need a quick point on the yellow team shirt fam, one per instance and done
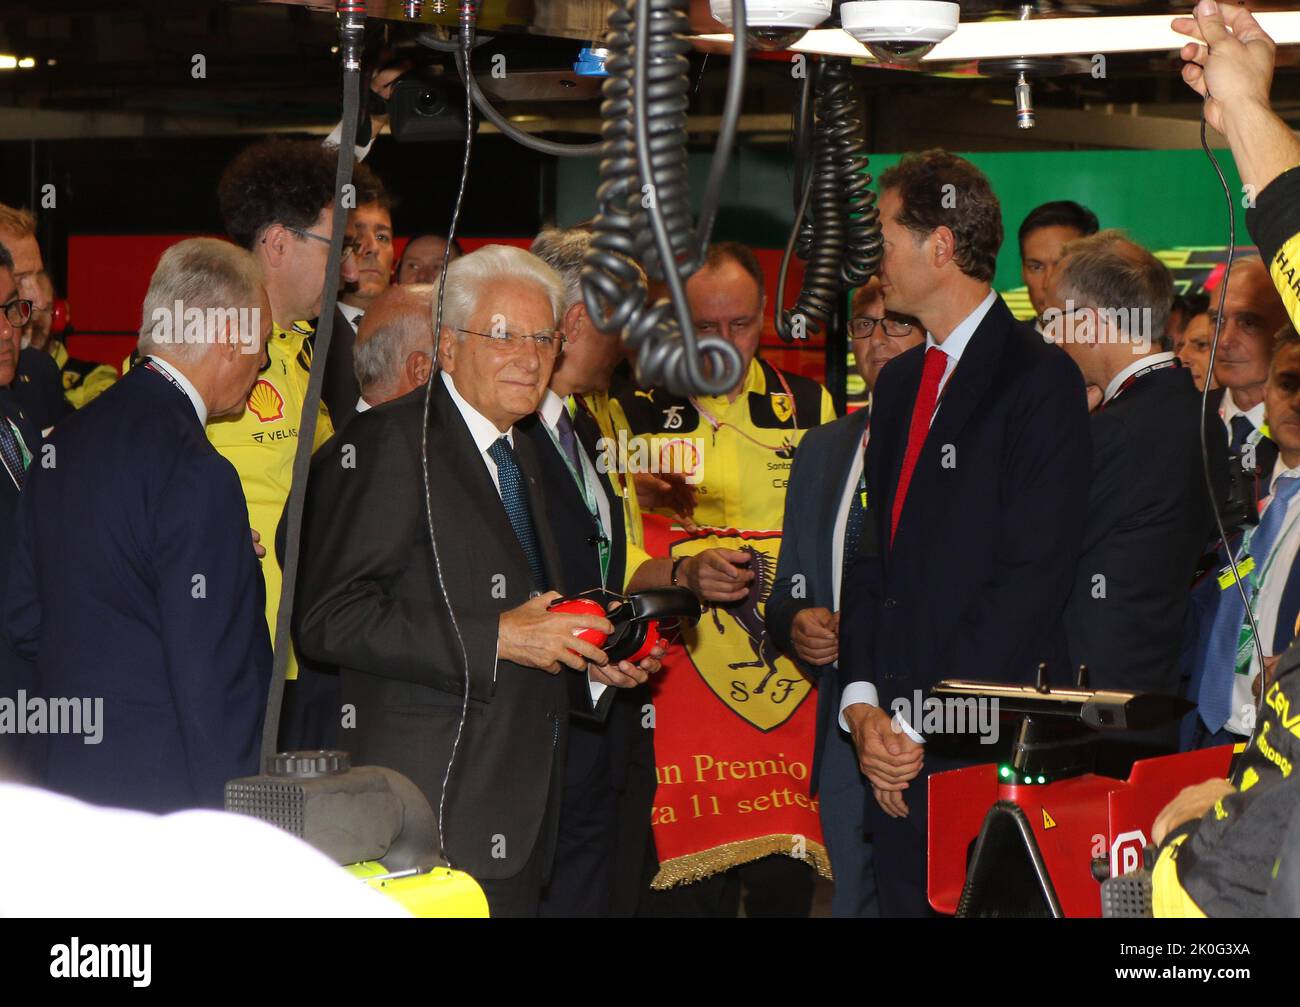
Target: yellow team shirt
(737, 453)
(83, 380)
(609, 417)
(260, 444)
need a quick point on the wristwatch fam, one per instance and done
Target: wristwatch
(677, 563)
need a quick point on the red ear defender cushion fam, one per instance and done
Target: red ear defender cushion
(62, 317)
(582, 606)
(652, 638)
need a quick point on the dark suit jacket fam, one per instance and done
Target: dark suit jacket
(975, 583)
(15, 671)
(146, 593)
(1265, 454)
(38, 388)
(1148, 521)
(812, 506)
(340, 390)
(369, 602)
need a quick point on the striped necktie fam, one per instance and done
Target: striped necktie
(11, 452)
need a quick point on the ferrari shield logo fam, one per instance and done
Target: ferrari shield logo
(730, 647)
(782, 406)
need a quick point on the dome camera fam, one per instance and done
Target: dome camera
(900, 31)
(774, 24)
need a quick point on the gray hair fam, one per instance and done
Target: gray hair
(1112, 273)
(216, 278)
(564, 249)
(405, 329)
(467, 276)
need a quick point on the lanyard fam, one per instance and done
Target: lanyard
(604, 422)
(1141, 373)
(583, 479)
(718, 424)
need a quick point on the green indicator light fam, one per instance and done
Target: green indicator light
(1042, 779)
(1004, 772)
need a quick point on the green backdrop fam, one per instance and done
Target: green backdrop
(1166, 199)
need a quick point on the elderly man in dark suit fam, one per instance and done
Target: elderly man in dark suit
(825, 516)
(1149, 514)
(448, 655)
(977, 480)
(151, 598)
(19, 440)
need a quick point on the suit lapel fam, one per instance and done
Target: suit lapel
(839, 460)
(450, 439)
(970, 380)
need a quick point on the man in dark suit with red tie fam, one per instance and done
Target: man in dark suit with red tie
(977, 481)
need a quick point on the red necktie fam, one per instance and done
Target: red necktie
(936, 362)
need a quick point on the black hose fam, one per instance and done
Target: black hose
(843, 118)
(643, 202)
(837, 226)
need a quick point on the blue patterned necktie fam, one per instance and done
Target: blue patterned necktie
(515, 499)
(11, 452)
(1215, 697)
(853, 525)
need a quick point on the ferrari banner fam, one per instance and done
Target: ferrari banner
(734, 726)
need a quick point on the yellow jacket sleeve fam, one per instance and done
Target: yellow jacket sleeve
(1274, 223)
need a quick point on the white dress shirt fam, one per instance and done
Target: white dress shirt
(954, 346)
(1228, 408)
(481, 429)
(841, 523)
(352, 313)
(187, 386)
(1150, 360)
(484, 434)
(362, 405)
(1268, 602)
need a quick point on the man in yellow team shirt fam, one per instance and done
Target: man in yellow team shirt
(723, 461)
(277, 200)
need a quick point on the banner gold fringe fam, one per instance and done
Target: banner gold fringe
(698, 866)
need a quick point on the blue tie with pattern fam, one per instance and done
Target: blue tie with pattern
(11, 452)
(1215, 696)
(515, 499)
(1241, 428)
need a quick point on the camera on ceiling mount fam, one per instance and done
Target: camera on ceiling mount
(774, 24)
(900, 31)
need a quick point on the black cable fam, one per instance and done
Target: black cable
(863, 242)
(726, 137)
(643, 201)
(508, 128)
(1205, 404)
(468, 17)
(352, 33)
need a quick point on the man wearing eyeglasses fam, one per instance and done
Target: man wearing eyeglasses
(368, 245)
(276, 200)
(823, 532)
(18, 441)
(374, 591)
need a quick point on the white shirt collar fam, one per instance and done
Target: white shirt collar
(187, 386)
(955, 345)
(1230, 409)
(362, 405)
(1149, 360)
(351, 313)
(550, 409)
(482, 429)
(1280, 471)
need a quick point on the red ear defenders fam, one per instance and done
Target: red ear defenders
(637, 621)
(60, 317)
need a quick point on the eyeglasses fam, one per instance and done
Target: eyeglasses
(18, 312)
(547, 341)
(864, 325)
(350, 248)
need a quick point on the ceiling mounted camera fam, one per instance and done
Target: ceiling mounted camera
(900, 31)
(774, 24)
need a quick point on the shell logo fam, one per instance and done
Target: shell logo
(265, 402)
